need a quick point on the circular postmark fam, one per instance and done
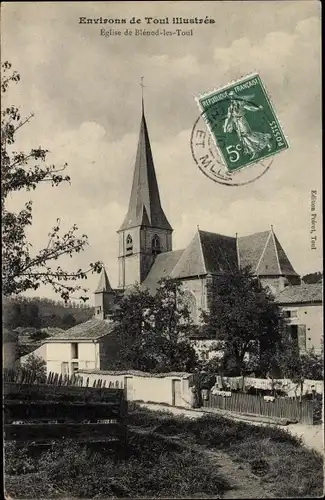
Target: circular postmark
(218, 142)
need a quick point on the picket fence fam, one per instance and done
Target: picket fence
(286, 408)
(62, 408)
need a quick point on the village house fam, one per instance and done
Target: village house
(303, 307)
(86, 346)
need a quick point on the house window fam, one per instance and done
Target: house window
(294, 332)
(155, 245)
(302, 337)
(65, 368)
(129, 245)
(74, 351)
(74, 366)
(294, 314)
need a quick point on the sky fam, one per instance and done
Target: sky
(84, 91)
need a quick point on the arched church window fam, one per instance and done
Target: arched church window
(189, 300)
(129, 245)
(156, 245)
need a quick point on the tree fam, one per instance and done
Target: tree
(316, 277)
(36, 365)
(68, 321)
(151, 331)
(244, 319)
(21, 269)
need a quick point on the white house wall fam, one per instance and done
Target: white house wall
(310, 315)
(58, 353)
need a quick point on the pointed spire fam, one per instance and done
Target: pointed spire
(144, 205)
(103, 284)
(142, 99)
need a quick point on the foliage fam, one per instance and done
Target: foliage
(25, 171)
(36, 365)
(299, 366)
(17, 313)
(312, 365)
(22, 314)
(152, 331)
(316, 277)
(68, 321)
(244, 319)
(38, 335)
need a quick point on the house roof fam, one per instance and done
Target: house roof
(264, 254)
(103, 284)
(211, 253)
(144, 206)
(207, 253)
(136, 373)
(162, 268)
(301, 294)
(90, 330)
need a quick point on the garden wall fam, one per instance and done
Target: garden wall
(167, 388)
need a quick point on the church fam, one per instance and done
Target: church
(146, 252)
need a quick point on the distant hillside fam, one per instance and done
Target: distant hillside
(42, 313)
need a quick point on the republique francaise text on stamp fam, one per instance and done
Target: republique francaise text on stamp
(243, 125)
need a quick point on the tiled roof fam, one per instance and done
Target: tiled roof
(144, 206)
(207, 253)
(219, 251)
(264, 254)
(191, 262)
(162, 268)
(104, 284)
(136, 373)
(89, 330)
(250, 248)
(211, 253)
(285, 265)
(301, 294)
(52, 330)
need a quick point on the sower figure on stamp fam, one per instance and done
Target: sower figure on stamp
(253, 142)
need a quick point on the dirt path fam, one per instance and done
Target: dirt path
(312, 435)
(243, 483)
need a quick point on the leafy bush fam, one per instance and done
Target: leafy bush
(36, 365)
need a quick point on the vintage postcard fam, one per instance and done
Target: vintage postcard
(162, 253)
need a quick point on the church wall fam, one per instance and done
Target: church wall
(103, 304)
(135, 267)
(197, 297)
(147, 235)
(275, 283)
(132, 270)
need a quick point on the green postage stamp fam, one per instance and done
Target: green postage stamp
(243, 123)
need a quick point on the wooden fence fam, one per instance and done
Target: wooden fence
(62, 408)
(287, 408)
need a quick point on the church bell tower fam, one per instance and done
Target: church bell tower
(145, 231)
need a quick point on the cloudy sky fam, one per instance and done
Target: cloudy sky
(84, 91)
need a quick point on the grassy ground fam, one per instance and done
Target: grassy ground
(273, 454)
(150, 468)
